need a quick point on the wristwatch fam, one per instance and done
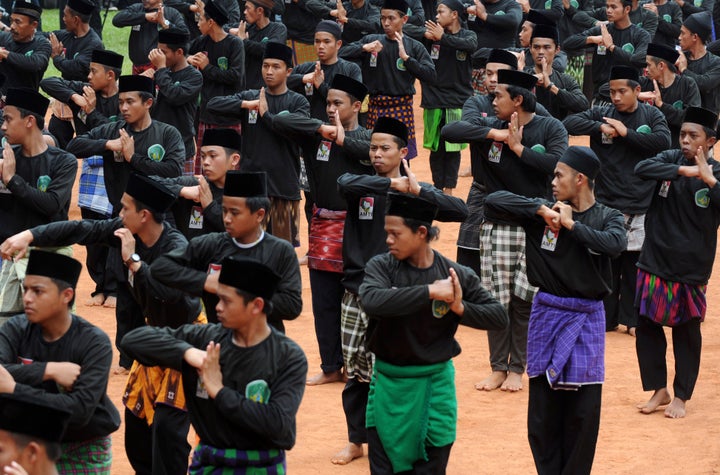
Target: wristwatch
(134, 257)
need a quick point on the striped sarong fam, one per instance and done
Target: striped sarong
(325, 240)
(358, 359)
(208, 460)
(202, 127)
(397, 107)
(90, 457)
(669, 303)
(282, 220)
(434, 119)
(302, 52)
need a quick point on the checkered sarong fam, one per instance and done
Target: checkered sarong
(208, 460)
(353, 327)
(92, 194)
(397, 107)
(302, 52)
(90, 457)
(502, 262)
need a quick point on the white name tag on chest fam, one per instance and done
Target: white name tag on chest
(549, 240)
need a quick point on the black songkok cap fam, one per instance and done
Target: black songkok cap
(173, 36)
(215, 12)
(456, 6)
(27, 9)
(150, 193)
(516, 78)
(623, 72)
(136, 83)
(411, 207)
(388, 125)
(699, 23)
(545, 31)
(28, 99)
(268, 5)
(83, 7)
(704, 117)
(399, 5)
(107, 58)
(581, 159)
(279, 51)
(331, 27)
(503, 57)
(538, 17)
(245, 184)
(249, 275)
(349, 85)
(663, 52)
(32, 418)
(54, 266)
(228, 138)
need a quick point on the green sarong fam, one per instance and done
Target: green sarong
(91, 457)
(433, 119)
(412, 407)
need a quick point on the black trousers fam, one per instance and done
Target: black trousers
(651, 345)
(380, 463)
(327, 293)
(563, 427)
(162, 447)
(620, 304)
(128, 317)
(62, 130)
(469, 258)
(97, 262)
(354, 399)
(444, 167)
(508, 347)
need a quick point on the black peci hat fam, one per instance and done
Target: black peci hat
(511, 77)
(249, 275)
(245, 184)
(216, 12)
(345, 83)
(150, 193)
(391, 126)
(701, 116)
(107, 58)
(581, 159)
(32, 418)
(54, 266)
(503, 57)
(28, 99)
(228, 138)
(411, 207)
(279, 51)
(136, 83)
(173, 36)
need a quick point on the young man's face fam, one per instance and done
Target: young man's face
(385, 153)
(623, 96)
(172, 57)
(686, 38)
(503, 104)
(232, 310)
(564, 184)
(341, 102)
(653, 70)
(22, 27)
(491, 70)
(543, 48)
(43, 299)
(525, 33)
(203, 24)
(99, 77)
(215, 162)
(132, 218)
(392, 22)
(445, 16)
(132, 108)
(401, 241)
(326, 46)
(275, 72)
(692, 137)
(616, 11)
(15, 127)
(240, 223)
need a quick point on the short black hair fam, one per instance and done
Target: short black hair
(254, 203)
(39, 120)
(247, 296)
(52, 449)
(529, 102)
(139, 206)
(432, 231)
(83, 17)
(669, 65)
(64, 285)
(177, 46)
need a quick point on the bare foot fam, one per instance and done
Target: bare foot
(95, 301)
(512, 383)
(349, 453)
(303, 260)
(492, 382)
(325, 378)
(676, 409)
(661, 397)
(465, 172)
(110, 302)
(120, 371)
(448, 191)
(631, 331)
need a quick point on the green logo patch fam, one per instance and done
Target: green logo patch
(702, 198)
(29, 53)
(628, 48)
(667, 18)
(574, 4)
(156, 152)
(548, 4)
(678, 105)
(538, 148)
(400, 64)
(500, 13)
(43, 182)
(258, 391)
(223, 63)
(461, 55)
(644, 129)
(440, 308)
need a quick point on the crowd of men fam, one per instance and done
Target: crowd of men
(190, 187)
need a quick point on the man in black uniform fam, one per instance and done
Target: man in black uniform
(677, 259)
(697, 62)
(36, 188)
(569, 246)
(621, 135)
(357, 17)
(24, 55)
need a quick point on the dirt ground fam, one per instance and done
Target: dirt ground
(491, 431)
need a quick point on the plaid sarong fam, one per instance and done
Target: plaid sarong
(302, 52)
(502, 262)
(353, 331)
(141, 68)
(208, 460)
(433, 120)
(90, 457)
(202, 126)
(397, 107)
(566, 341)
(282, 220)
(669, 303)
(477, 82)
(325, 240)
(92, 194)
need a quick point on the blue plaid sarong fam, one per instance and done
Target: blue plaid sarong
(208, 460)
(92, 194)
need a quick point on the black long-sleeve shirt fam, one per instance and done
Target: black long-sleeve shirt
(144, 34)
(26, 63)
(706, 73)
(190, 217)
(25, 354)
(569, 99)
(40, 191)
(682, 221)
(669, 23)
(500, 28)
(232, 419)
(317, 96)
(617, 185)
(677, 97)
(106, 108)
(74, 63)
(407, 327)
(187, 269)
(362, 21)
(177, 101)
(566, 263)
(452, 58)
(255, 50)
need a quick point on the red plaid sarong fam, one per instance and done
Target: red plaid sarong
(397, 107)
(202, 127)
(325, 240)
(669, 303)
(139, 69)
